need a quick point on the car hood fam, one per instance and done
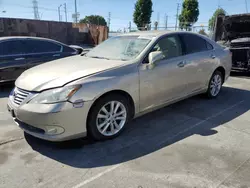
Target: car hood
(62, 71)
(232, 27)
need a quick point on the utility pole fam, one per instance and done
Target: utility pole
(158, 18)
(246, 6)
(76, 11)
(166, 22)
(35, 9)
(109, 18)
(59, 13)
(65, 11)
(177, 15)
(129, 27)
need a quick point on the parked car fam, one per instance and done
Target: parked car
(233, 32)
(18, 54)
(120, 79)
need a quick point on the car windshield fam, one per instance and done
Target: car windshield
(120, 48)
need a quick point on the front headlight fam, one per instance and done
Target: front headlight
(56, 95)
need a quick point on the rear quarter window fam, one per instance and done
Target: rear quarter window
(209, 46)
(41, 46)
(68, 49)
(194, 44)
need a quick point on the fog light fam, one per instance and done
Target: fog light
(54, 130)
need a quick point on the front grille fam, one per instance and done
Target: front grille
(19, 95)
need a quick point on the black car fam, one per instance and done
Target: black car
(18, 54)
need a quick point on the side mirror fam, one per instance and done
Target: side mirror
(155, 56)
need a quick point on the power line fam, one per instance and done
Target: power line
(41, 8)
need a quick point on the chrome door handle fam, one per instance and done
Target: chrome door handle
(212, 56)
(19, 59)
(181, 64)
(56, 55)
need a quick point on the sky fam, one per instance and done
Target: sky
(121, 10)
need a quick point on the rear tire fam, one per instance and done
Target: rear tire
(215, 85)
(108, 117)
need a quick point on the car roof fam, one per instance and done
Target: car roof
(27, 37)
(155, 33)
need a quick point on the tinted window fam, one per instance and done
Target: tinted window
(194, 43)
(68, 49)
(40, 46)
(11, 48)
(169, 46)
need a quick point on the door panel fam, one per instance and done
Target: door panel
(11, 67)
(161, 83)
(41, 51)
(200, 59)
(199, 67)
(165, 79)
(12, 59)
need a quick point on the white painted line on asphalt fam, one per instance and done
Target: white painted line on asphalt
(169, 138)
(96, 176)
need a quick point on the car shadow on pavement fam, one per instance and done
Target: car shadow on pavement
(150, 132)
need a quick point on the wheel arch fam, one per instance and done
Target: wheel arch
(223, 72)
(115, 92)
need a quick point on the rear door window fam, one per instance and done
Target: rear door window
(12, 47)
(193, 43)
(40, 46)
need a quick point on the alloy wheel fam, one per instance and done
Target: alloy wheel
(111, 118)
(215, 85)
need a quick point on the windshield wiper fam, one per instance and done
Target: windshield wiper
(97, 57)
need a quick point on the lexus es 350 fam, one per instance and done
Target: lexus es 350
(120, 79)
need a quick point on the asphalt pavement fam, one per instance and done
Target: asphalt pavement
(193, 143)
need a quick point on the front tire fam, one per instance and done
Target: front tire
(215, 84)
(108, 117)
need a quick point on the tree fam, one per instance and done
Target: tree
(211, 23)
(189, 15)
(203, 32)
(94, 19)
(142, 13)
